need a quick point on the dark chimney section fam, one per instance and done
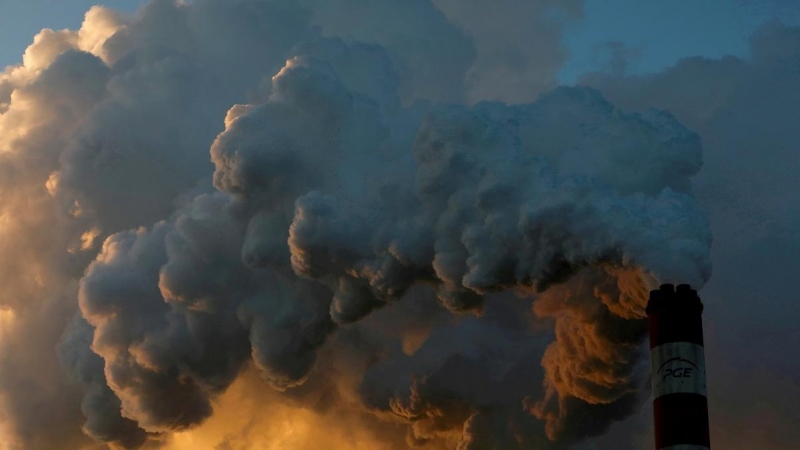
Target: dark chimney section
(680, 406)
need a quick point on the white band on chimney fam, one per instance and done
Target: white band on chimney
(685, 447)
(678, 367)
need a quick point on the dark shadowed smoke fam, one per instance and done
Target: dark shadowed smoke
(346, 216)
(179, 308)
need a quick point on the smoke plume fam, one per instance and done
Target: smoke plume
(741, 107)
(390, 258)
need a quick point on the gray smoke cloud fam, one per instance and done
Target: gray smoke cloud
(380, 249)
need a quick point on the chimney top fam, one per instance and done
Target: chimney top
(668, 298)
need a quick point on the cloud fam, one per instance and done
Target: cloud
(518, 45)
(355, 241)
(45, 103)
(430, 54)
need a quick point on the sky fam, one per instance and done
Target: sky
(657, 34)
(432, 224)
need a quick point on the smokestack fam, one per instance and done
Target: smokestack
(680, 406)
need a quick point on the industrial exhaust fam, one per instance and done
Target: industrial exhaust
(680, 405)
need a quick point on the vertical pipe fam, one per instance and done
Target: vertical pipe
(680, 406)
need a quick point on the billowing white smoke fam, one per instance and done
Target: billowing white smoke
(338, 189)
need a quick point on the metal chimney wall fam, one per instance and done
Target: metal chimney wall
(680, 406)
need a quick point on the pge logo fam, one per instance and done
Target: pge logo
(677, 368)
